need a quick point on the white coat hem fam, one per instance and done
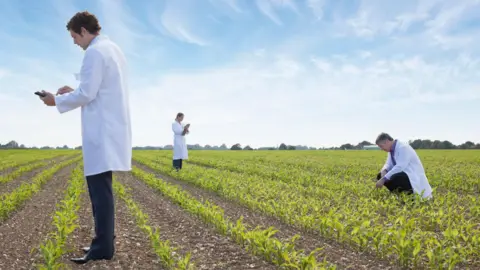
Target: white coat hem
(122, 169)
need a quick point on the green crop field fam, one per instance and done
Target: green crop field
(244, 210)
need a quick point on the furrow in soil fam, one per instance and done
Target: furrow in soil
(132, 247)
(27, 228)
(27, 177)
(209, 249)
(343, 256)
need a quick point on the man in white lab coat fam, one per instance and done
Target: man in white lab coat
(106, 131)
(403, 171)
(180, 151)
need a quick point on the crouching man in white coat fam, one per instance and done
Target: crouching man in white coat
(403, 170)
(180, 151)
(106, 132)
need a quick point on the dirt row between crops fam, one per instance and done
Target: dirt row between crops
(344, 257)
(29, 225)
(209, 249)
(13, 168)
(132, 247)
(27, 177)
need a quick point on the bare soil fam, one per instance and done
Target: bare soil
(132, 247)
(210, 250)
(31, 223)
(11, 169)
(26, 177)
(342, 255)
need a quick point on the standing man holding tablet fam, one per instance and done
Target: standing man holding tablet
(102, 96)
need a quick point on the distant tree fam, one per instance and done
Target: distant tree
(429, 144)
(10, 145)
(282, 146)
(247, 148)
(447, 145)
(236, 146)
(347, 146)
(291, 147)
(362, 144)
(467, 145)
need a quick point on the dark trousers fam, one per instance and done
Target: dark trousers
(177, 163)
(399, 182)
(103, 208)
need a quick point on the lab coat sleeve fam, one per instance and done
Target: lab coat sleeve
(91, 75)
(177, 129)
(388, 164)
(403, 159)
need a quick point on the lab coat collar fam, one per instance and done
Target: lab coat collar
(392, 150)
(96, 39)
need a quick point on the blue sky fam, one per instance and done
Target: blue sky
(256, 72)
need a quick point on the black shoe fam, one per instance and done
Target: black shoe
(86, 258)
(87, 249)
(81, 260)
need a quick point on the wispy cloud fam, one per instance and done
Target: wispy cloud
(3, 73)
(317, 7)
(315, 72)
(174, 21)
(122, 25)
(231, 4)
(267, 7)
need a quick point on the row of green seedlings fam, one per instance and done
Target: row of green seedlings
(397, 241)
(164, 251)
(24, 160)
(65, 222)
(409, 246)
(259, 241)
(23, 169)
(11, 201)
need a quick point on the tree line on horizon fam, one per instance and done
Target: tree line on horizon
(416, 144)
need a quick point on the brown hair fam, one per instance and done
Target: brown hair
(179, 114)
(383, 137)
(86, 20)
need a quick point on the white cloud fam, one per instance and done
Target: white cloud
(317, 7)
(122, 25)
(232, 5)
(262, 101)
(266, 7)
(3, 73)
(300, 90)
(435, 19)
(269, 99)
(175, 21)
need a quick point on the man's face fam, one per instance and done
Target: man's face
(180, 119)
(83, 39)
(385, 145)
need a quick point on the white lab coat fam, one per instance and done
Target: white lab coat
(408, 161)
(180, 150)
(105, 113)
